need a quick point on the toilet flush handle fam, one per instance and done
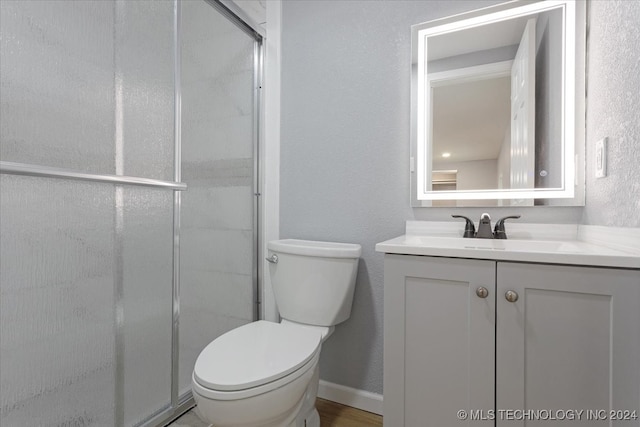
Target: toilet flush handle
(273, 259)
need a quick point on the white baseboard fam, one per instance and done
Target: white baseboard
(365, 400)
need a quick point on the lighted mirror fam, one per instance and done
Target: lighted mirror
(498, 106)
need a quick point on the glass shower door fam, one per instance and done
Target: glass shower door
(86, 266)
(217, 231)
(91, 287)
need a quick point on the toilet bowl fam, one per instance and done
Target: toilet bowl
(265, 374)
(256, 375)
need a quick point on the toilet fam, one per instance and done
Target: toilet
(265, 373)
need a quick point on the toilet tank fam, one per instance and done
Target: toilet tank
(313, 282)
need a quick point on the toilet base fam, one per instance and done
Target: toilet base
(308, 415)
(313, 420)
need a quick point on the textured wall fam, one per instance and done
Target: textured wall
(345, 143)
(613, 110)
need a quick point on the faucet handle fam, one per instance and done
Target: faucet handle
(499, 232)
(469, 228)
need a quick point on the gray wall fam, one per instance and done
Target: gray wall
(613, 110)
(345, 145)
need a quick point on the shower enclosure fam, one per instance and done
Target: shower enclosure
(128, 205)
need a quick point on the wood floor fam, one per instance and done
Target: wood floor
(331, 415)
(336, 415)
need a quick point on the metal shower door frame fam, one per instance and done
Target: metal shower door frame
(181, 404)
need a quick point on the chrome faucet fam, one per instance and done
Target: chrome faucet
(484, 227)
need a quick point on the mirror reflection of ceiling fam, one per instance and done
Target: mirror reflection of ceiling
(471, 120)
(484, 37)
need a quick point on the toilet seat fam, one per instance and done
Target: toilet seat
(255, 391)
(254, 359)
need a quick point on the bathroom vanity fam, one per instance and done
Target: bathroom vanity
(477, 330)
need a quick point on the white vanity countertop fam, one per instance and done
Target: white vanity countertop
(574, 245)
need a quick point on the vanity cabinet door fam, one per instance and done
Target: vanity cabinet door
(571, 341)
(439, 336)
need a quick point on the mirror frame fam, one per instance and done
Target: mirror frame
(572, 110)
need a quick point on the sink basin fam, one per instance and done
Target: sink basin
(547, 246)
(528, 246)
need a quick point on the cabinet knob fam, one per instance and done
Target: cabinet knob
(482, 292)
(511, 296)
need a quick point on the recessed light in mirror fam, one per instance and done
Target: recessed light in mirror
(445, 155)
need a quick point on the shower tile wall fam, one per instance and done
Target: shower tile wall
(216, 242)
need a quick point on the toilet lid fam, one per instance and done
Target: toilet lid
(255, 354)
